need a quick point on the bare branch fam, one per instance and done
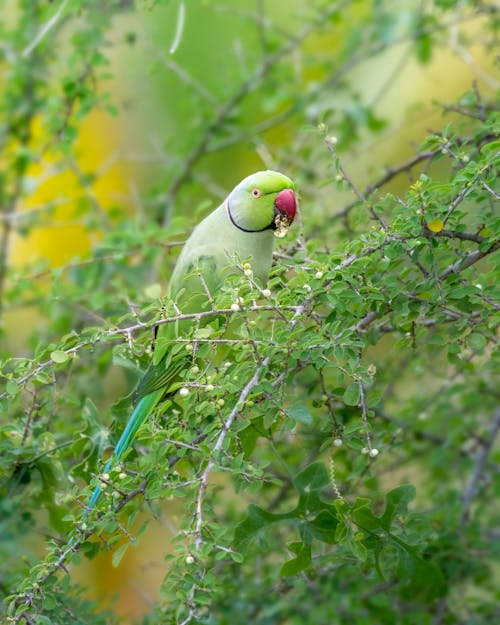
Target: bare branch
(468, 260)
(450, 234)
(226, 426)
(46, 28)
(391, 173)
(490, 191)
(480, 461)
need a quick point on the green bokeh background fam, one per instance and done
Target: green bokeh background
(378, 108)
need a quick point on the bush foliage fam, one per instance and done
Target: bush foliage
(334, 461)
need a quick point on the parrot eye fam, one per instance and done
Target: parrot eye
(256, 192)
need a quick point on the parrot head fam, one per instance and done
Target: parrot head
(263, 201)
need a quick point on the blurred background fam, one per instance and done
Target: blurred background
(193, 96)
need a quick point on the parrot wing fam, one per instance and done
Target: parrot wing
(162, 375)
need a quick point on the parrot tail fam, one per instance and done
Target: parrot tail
(140, 414)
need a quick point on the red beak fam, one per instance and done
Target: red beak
(286, 203)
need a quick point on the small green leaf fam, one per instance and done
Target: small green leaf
(357, 548)
(59, 356)
(118, 554)
(477, 341)
(12, 388)
(313, 477)
(236, 556)
(300, 413)
(422, 579)
(351, 394)
(49, 602)
(353, 426)
(301, 561)
(204, 333)
(323, 527)
(396, 502)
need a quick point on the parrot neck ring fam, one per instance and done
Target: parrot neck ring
(237, 225)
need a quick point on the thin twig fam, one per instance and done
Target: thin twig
(490, 190)
(466, 261)
(364, 415)
(46, 28)
(226, 426)
(480, 461)
(391, 173)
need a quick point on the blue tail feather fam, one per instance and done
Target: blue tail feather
(141, 412)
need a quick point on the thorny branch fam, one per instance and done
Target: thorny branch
(426, 156)
(226, 426)
(390, 173)
(125, 333)
(28, 598)
(360, 195)
(468, 260)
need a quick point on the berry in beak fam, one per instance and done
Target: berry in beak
(285, 207)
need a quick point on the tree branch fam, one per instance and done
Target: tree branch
(466, 261)
(391, 173)
(480, 461)
(226, 426)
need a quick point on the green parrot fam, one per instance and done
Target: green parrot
(261, 206)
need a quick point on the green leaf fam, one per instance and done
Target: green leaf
(396, 502)
(59, 356)
(12, 388)
(351, 394)
(312, 478)
(301, 561)
(363, 516)
(477, 341)
(256, 520)
(421, 579)
(357, 548)
(323, 527)
(353, 426)
(119, 553)
(300, 413)
(204, 333)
